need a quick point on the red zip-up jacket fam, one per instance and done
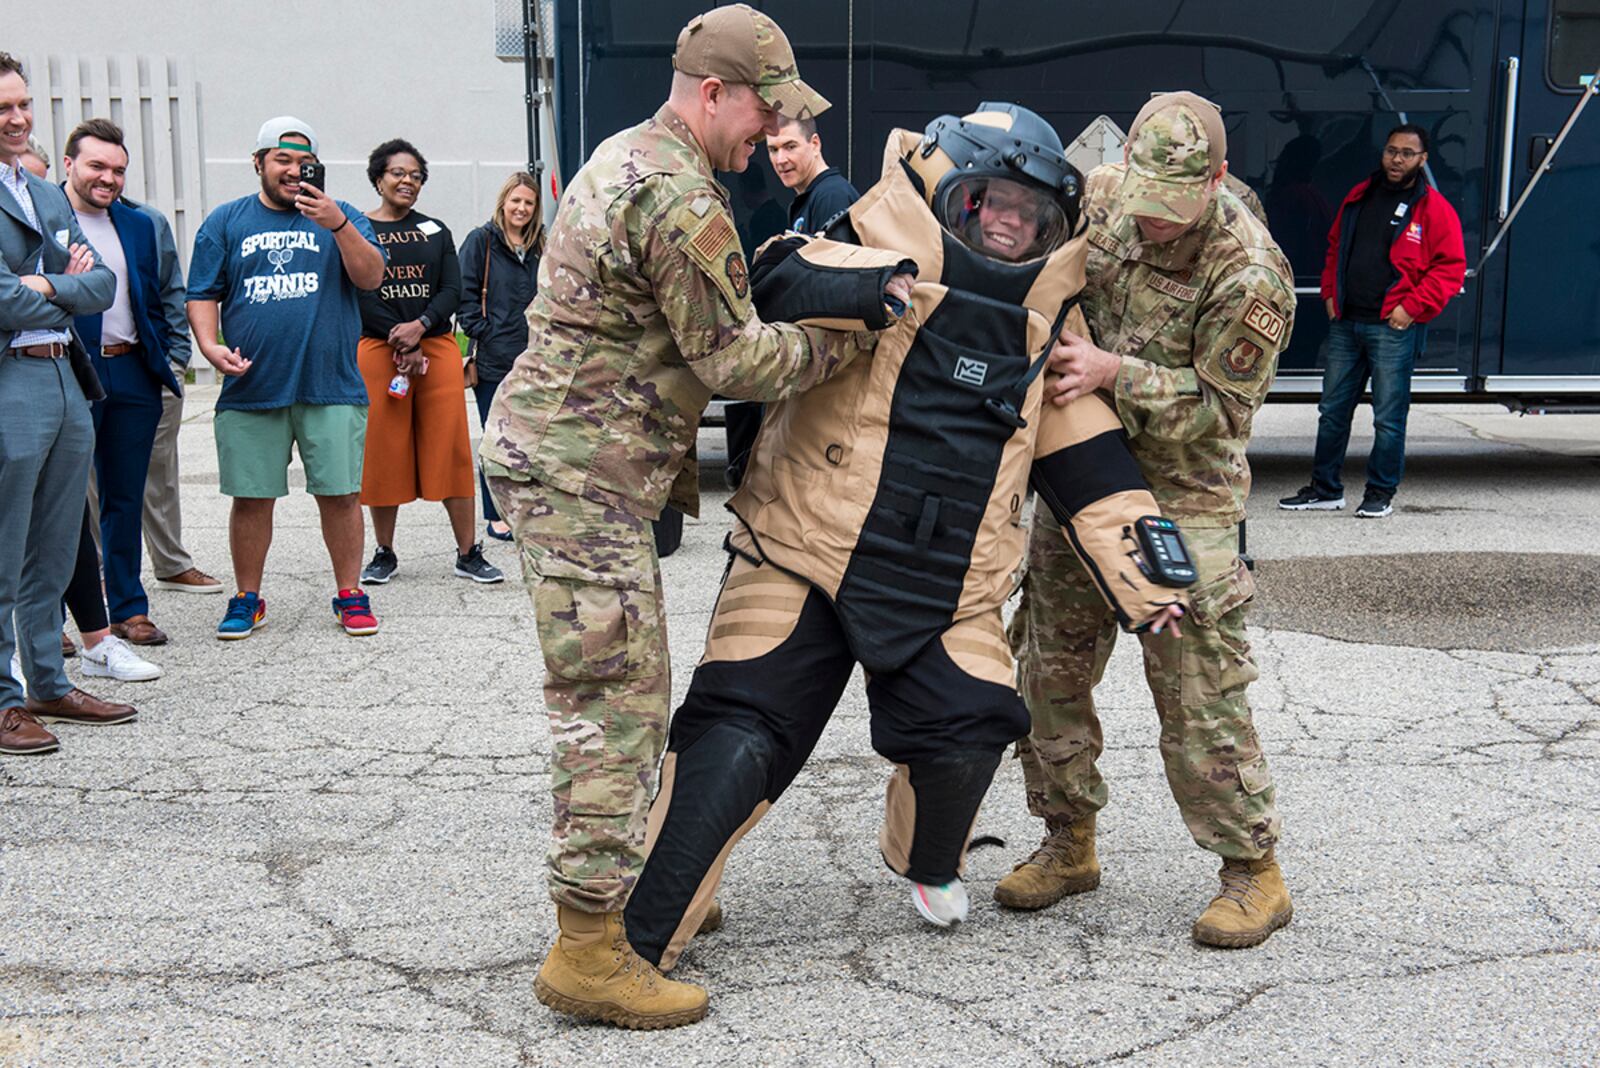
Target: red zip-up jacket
(1426, 253)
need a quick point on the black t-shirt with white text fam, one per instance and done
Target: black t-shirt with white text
(422, 279)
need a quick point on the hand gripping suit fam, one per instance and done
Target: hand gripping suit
(880, 517)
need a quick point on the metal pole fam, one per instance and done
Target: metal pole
(530, 97)
(1544, 165)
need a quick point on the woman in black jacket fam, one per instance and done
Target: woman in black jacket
(499, 268)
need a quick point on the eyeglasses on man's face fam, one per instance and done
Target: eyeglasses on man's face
(1390, 151)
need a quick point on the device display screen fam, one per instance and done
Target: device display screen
(1174, 547)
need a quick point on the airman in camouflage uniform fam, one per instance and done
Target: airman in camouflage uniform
(643, 310)
(1190, 302)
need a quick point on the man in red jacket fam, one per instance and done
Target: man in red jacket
(1394, 261)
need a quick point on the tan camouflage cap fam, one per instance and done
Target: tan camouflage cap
(1175, 146)
(737, 43)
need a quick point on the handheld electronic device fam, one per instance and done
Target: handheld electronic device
(1165, 558)
(313, 174)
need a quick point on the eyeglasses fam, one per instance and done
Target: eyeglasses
(398, 173)
(1407, 154)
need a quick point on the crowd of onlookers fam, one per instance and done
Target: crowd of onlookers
(335, 331)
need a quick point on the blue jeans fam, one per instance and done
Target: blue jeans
(483, 393)
(1356, 352)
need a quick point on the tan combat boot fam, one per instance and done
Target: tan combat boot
(1063, 864)
(1252, 903)
(593, 973)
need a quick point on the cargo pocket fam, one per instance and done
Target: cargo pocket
(607, 793)
(593, 630)
(1255, 776)
(1216, 654)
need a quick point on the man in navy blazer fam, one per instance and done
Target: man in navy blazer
(130, 344)
(48, 274)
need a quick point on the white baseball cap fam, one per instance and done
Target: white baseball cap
(272, 132)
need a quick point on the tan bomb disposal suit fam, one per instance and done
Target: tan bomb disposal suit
(1198, 322)
(643, 310)
(879, 523)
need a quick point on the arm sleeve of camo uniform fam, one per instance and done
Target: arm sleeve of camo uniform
(1243, 326)
(702, 286)
(828, 284)
(1085, 473)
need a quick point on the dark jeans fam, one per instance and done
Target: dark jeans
(125, 433)
(483, 392)
(1356, 352)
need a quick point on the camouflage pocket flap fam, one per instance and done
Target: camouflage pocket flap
(604, 792)
(552, 565)
(1255, 776)
(1211, 601)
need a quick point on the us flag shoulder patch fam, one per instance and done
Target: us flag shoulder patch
(711, 238)
(1263, 320)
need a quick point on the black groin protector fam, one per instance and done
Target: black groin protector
(717, 784)
(910, 562)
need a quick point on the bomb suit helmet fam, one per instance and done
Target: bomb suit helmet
(999, 182)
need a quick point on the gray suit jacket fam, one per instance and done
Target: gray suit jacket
(76, 294)
(174, 295)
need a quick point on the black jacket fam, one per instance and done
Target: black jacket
(496, 289)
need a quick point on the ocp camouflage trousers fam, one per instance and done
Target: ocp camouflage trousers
(596, 588)
(1062, 636)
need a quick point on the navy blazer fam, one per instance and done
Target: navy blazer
(21, 245)
(137, 232)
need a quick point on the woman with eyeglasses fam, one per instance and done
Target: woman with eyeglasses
(499, 269)
(417, 443)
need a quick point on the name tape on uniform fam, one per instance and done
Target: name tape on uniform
(1162, 284)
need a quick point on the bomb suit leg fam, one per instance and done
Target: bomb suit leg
(775, 665)
(944, 719)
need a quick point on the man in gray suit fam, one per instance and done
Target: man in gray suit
(48, 274)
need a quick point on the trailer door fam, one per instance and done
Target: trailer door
(1552, 295)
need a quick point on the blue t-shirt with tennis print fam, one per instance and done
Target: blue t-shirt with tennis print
(286, 304)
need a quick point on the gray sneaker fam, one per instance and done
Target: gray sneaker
(472, 565)
(382, 568)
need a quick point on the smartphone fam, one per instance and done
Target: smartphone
(313, 174)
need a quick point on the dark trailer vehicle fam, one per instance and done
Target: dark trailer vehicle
(1309, 91)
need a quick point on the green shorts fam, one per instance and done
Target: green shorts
(253, 449)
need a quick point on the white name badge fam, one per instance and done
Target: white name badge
(428, 226)
(62, 236)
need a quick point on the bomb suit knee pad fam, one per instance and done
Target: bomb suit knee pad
(712, 792)
(929, 811)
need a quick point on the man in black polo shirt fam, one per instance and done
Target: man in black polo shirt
(821, 192)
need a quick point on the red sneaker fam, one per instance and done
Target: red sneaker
(354, 612)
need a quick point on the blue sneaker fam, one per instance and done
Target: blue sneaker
(247, 612)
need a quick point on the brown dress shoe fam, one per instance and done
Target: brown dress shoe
(191, 580)
(138, 630)
(22, 735)
(68, 650)
(78, 707)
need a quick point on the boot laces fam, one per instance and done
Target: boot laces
(1057, 847)
(1237, 886)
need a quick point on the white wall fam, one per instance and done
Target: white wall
(360, 71)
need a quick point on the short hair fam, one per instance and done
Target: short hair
(378, 162)
(100, 129)
(39, 150)
(805, 123)
(10, 64)
(1409, 128)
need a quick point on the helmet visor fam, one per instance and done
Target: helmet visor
(1003, 219)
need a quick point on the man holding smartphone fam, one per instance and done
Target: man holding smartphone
(278, 271)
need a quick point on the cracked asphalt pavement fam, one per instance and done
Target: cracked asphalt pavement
(313, 849)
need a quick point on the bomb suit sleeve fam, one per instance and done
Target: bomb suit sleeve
(1241, 330)
(1084, 472)
(690, 254)
(827, 284)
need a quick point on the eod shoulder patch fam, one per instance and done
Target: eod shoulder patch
(1261, 318)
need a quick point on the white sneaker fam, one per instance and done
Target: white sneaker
(942, 906)
(114, 658)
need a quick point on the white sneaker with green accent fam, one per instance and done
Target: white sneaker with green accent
(942, 906)
(114, 658)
